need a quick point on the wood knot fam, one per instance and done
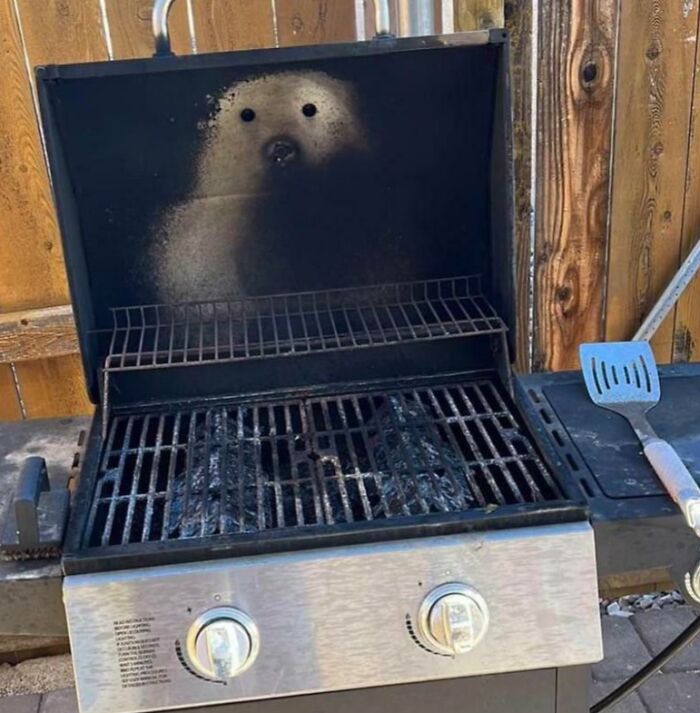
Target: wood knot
(297, 25)
(683, 344)
(563, 293)
(653, 51)
(144, 11)
(486, 21)
(589, 72)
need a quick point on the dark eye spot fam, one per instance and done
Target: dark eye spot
(309, 110)
(247, 115)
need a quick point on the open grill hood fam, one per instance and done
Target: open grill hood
(223, 179)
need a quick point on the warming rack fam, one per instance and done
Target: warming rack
(163, 336)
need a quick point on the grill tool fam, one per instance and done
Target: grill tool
(37, 515)
(622, 377)
(670, 296)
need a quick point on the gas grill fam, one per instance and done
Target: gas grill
(309, 471)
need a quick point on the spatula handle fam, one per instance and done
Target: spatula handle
(679, 483)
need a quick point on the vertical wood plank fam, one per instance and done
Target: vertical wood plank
(58, 31)
(479, 14)
(655, 79)
(53, 387)
(131, 32)
(9, 403)
(518, 15)
(468, 15)
(222, 25)
(52, 31)
(306, 22)
(31, 260)
(686, 336)
(437, 9)
(576, 60)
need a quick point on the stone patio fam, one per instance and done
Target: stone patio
(629, 644)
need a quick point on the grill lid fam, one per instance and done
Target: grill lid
(232, 176)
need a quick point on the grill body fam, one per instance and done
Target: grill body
(344, 618)
(297, 326)
(267, 473)
(559, 690)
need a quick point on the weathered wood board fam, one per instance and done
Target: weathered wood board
(686, 334)
(220, 25)
(656, 67)
(129, 26)
(576, 70)
(9, 402)
(37, 334)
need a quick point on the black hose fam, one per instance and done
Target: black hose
(633, 683)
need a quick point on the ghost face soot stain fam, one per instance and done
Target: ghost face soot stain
(275, 148)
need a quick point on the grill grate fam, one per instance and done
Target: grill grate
(322, 460)
(160, 336)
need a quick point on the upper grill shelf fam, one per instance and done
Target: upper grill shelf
(188, 334)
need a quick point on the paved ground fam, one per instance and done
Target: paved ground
(629, 644)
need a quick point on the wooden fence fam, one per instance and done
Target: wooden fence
(607, 162)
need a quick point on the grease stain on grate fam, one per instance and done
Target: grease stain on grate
(323, 460)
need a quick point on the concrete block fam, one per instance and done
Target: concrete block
(659, 628)
(624, 651)
(63, 701)
(631, 704)
(672, 693)
(20, 704)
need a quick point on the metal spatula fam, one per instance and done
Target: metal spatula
(622, 377)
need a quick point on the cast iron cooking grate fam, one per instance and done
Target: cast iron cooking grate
(161, 336)
(252, 467)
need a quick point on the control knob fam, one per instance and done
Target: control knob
(222, 643)
(453, 619)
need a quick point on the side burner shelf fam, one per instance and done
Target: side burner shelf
(164, 336)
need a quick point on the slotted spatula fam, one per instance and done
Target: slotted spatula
(622, 377)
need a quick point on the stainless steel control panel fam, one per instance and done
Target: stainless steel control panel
(333, 619)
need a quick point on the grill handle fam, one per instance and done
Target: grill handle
(382, 18)
(33, 480)
(161, 32)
